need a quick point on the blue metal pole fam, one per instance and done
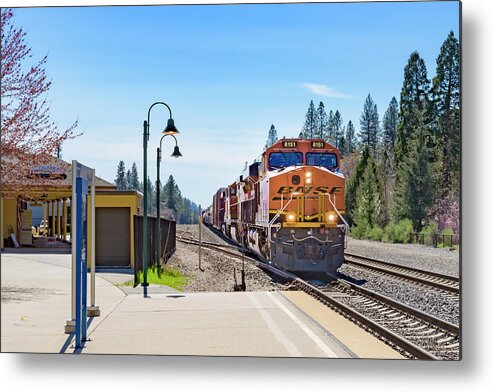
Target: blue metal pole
(78, 269)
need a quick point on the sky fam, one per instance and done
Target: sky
(227, 71)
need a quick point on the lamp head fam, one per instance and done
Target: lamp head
(170, 128)
(176, 153)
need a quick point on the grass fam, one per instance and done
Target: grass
(165, 276)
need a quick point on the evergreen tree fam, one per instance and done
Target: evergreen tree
(121, 183)
(369, 123)
(151, 197)
(342, 145)
(329, 134)
(134, 179)
(413, 192)
(171, 194)
(390, 122)
(128, 179)
(350, 138)
(310, 126)
(272, 137)
(322, 122)
(367, 208)
(338, 130)
(446, 98)
(353, 184)
(414, 104)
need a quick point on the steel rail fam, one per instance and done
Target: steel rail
(448, 283)
(436, 322)
(389, 336)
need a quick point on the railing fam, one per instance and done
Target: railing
(435, 239)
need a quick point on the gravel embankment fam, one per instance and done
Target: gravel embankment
(433, 303)
(442, 261)
(219, 269)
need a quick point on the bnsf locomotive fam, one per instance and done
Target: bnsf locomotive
(289, 209)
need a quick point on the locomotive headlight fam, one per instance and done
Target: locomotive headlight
(308, 174)
(291, 217)
(331, 217)
(308, 180)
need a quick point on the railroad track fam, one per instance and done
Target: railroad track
(443, 283)
(412, 332)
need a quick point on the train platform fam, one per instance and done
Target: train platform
(36, 303)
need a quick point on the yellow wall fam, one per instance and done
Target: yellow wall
(116, 200)
(9, 217)
(106, 199)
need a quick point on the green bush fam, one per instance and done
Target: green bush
(432, 228)
(376, 233)
(398, 232)
(447, 231)
(359, 232)
(427, 235)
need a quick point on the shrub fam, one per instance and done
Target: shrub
(376, 233)
(359, 232)
(398, 232)
(432, 228)
(448, 231)
(428, 234)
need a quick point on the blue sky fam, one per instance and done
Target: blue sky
(227, 71)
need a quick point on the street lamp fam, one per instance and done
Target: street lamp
(176, 154)
(169, 130)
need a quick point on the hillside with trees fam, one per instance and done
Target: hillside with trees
(173, 205)
(403, 172)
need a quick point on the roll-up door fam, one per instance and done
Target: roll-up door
(113, 237)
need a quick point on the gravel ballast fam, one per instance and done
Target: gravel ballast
(442, 261)
(218, 273)
(437, 304)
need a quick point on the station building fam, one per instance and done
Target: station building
(39, 216)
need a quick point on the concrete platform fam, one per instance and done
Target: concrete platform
(217, 324)
(36, 303)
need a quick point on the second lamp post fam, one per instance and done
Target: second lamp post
(176, 154)
(169, 130)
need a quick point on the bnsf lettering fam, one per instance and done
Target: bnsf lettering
(286, 190)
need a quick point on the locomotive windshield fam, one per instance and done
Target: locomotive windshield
(324, 159)
(278, 160)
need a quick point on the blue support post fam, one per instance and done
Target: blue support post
(81, 262)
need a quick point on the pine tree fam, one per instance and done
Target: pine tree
(329, 134)
(272, 137)
(134, 179)
(446, 95)
(170, 194)
(151, 197)
(350, 138)
(310, 125)
(338, 131)
(353, 184)
(321, 121)
(390, 122)
(368, 204)
(128, 179)
(370, 125)
(342, 145)
(414, 104)
(120, 181)
(413, 191)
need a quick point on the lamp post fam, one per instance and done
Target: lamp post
(176, 154)
(169, 130)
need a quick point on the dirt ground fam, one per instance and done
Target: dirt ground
(218, 270)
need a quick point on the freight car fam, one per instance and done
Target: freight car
(288, 207)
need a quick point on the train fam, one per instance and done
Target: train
(288, 207)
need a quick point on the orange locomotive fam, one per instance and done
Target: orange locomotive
(290, 208)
